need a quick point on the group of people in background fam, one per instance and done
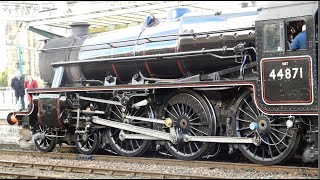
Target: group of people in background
(19, 84)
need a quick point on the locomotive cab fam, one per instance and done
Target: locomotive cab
(281, 67)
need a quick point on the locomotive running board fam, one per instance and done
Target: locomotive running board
(154, 134)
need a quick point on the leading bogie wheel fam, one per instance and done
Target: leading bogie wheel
(45, 143)
(88, 143)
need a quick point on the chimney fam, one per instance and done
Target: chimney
(79, 28)
(244, 4)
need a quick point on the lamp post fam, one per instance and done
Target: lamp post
(20, 58)
(318, 94)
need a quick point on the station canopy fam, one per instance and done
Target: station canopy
(110, 15)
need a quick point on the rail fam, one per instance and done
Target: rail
(227, 165)
(104, 171)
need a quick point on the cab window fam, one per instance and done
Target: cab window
(273, 38)
(295, 39)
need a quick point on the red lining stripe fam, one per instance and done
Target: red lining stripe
(148, 69)
(181, 68)
(58, 112)
(180, 65)
(115, 71)
(39, 111)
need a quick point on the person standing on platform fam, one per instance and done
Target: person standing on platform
(30, 84)
(17, 83)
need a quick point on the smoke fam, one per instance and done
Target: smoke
(307, 155)
(9, 134)
(13, 135)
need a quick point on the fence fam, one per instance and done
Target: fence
(7, 101)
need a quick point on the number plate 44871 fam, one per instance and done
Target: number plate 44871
(286, 81)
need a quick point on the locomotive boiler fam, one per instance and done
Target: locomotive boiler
(191, 85)
(124, 53)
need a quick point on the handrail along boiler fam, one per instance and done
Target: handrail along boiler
(188, 86)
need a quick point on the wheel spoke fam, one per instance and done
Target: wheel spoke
(270, 151)
(115, 114)
(279, 139)
(120, 112)
(131, 143)
(182, 109)
(89, 145)
(190, 110)
(194, 119)
(192, 132)
(179, 109)
(136, 112)
(249, 134)
(274, 144)
(250, 108)
(195, 144)
(192, 114)
(278, 125)
(244, 120)
(255, 151)
(245, 128)
(247, 114)
(189, 144)
(175, 111)
(138, 145)
(171, 113)
(199, 131)
(116, 131)
(197, 124)
(286, 134)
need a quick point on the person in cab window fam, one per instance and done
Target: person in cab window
(300, 41)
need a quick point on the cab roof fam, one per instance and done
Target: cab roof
(287, 9)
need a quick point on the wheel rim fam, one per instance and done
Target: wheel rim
(277, 142)
(128, 147)
(191, 115)
(88, 143)
(45, 143)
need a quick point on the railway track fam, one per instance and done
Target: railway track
(86, 170)
(26, 176)
(225, 165)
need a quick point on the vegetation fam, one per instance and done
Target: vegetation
(4, 78)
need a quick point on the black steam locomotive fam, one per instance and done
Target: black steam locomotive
(184, 85)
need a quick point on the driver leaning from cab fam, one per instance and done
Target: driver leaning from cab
(300, 41)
